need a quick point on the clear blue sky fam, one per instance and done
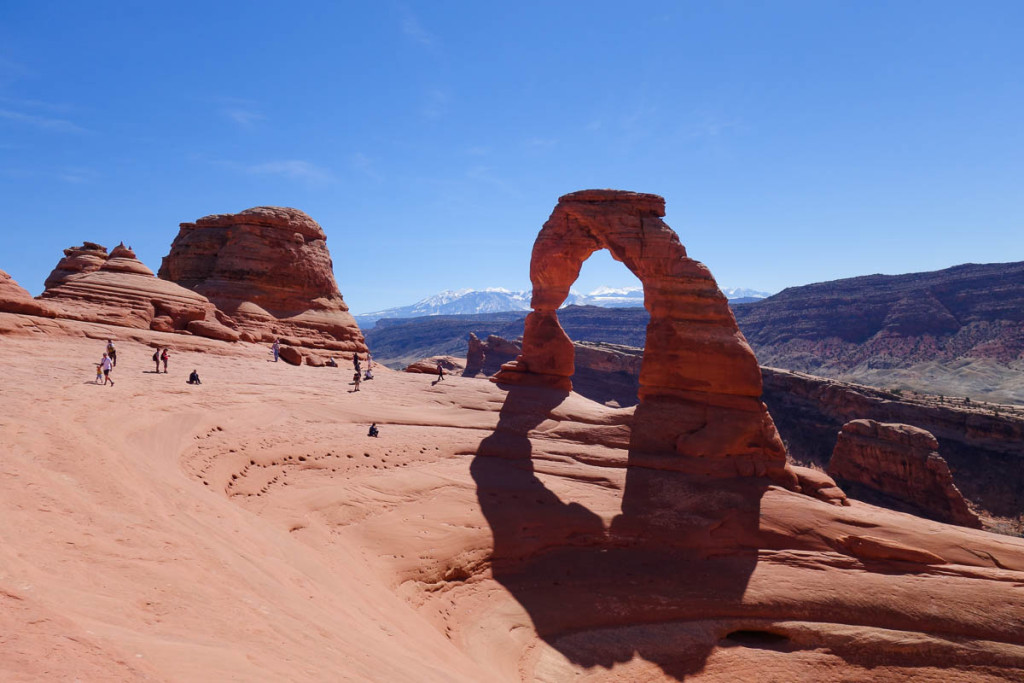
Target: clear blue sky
(794, 142)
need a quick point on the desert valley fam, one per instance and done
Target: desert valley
(552, 507)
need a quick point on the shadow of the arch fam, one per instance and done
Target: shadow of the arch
(680, 553)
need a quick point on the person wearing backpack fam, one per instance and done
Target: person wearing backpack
(156, 359)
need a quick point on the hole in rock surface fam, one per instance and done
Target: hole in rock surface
(755, 638)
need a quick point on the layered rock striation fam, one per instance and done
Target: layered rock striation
(953, 331)
(270, 270)
(902, 462)
(700, 384)
(91, 285)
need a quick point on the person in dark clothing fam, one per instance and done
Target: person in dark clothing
(194, 378)
(373, 430)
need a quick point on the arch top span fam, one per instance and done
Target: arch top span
(700, 384)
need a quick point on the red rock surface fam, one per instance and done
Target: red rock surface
(249, 529)
(700, 385)
(118, 289)
(269, 269)
(15, 299)
(901, 461)
(428, 366)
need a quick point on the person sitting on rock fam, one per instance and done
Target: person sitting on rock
(194, 378)
(373, 430)
(331, 363)
(368, 374)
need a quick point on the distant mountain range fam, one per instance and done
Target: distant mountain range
(498, 300)
(958, 331)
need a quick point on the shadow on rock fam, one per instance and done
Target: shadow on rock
(651, 584)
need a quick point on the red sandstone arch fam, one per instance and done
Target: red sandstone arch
(700, 384)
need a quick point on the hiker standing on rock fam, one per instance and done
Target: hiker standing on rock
(164, 356)
(156, 359)
(276, 348)
(107, 367)
(440, 371)
(357, 378)
(112, 352)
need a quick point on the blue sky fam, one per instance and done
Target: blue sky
(794, 142)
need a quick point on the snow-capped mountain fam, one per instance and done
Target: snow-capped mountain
(497, 299)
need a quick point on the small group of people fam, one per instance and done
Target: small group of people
(161, 356)
(358, 376)
(106, 365)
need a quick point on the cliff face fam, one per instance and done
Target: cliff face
(902, 462)
(984, 446)
(862, 328)
(269, 269)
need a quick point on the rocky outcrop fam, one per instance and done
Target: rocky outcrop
(700, 385)
(91, 285)
(983, 444)
(902, 462)
(15, 299)
(428, 366)
(486, 357)
(269, 269)
(926, 325)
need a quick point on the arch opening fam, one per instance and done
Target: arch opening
(700, 384)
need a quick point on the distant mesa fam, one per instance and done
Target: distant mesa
(269, 269)
(861, 328)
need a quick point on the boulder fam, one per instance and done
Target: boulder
(902, 462)
(291, 355)
(270, 270)
(700, 385)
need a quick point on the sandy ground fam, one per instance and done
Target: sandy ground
(248, 529)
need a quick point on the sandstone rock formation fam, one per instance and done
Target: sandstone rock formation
(269, 269)
(428, 366)
(700, 384)
(15, 299)
(984, 445)
(903, 462)
(117, 289)
(485, 357)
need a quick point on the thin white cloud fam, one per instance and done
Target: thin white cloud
(44, 122)
(295, 169)
(246, 118)
(436, 104)
(541, 143)
(412, 28)
(365, 165)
